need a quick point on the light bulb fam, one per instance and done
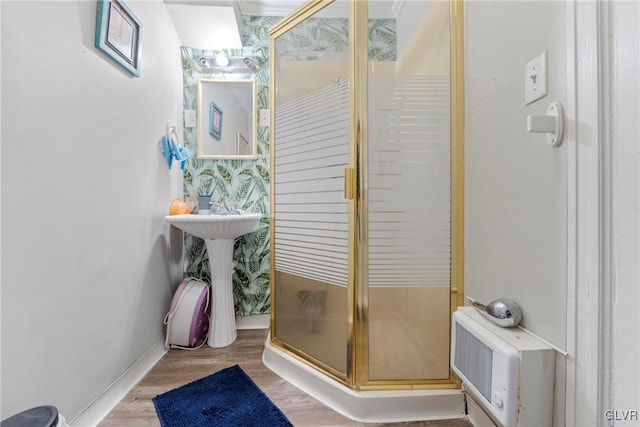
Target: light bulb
(222, 61)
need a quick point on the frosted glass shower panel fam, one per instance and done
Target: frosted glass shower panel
(409, 228)
(409, 182)
(409, 200)
(310, 154)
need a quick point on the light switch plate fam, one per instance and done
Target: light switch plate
(264, 118)
(189, 118)
(535, 79)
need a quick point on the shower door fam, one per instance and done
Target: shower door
(408, 215)
(366, 189)
(310, 244)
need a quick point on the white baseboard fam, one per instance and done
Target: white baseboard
(477, 416)
(93, 413)
(373, 406)
(258, 321)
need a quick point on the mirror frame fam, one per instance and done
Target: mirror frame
(203, 114)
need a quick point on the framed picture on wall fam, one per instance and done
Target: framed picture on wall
(118, 34)
(242, 145)
(215, 121)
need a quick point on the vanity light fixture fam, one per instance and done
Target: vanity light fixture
(226, 64)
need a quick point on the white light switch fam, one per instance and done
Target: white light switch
(535, 79)
(264, 118)
(189, 118)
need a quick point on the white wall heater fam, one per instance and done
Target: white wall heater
(507, 371)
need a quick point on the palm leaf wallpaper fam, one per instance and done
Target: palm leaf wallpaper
(247, 181)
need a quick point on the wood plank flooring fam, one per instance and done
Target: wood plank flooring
(179, 367)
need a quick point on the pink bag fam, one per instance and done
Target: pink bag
(188, 318)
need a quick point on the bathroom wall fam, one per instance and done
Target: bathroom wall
(243, 181)
(88, 263)
(625, 94)
(594, 68)
(515, 182)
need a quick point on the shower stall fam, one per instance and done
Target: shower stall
(366, 193)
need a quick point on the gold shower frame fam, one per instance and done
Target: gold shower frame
(357, 375)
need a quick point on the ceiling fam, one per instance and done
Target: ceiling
(248, 7)
(268, 7)
(377, 8)
(217, 24)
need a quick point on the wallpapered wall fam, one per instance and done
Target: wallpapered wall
(247, 181)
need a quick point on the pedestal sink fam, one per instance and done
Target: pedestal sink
(219, 233)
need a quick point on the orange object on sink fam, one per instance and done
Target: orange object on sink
(179, 207)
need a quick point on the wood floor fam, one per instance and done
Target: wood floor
(179, 367)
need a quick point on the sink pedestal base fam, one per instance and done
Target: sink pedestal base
(219, 233)
(222, 329)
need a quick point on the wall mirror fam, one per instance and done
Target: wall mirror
(226, 119)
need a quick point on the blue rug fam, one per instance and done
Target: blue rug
(227, 398)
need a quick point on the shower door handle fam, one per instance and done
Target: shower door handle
(349, 183)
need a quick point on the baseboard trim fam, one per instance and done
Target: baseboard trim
(256, 321)
(94, 412)
(373, 406)
(476, 415)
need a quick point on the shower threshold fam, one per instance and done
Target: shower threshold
(365, 406)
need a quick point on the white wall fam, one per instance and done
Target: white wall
(88, 265)
(602, 202)
(626, 211)
(515, 182)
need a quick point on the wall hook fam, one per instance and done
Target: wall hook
(174, 149)
(171, 131)
(552, 124)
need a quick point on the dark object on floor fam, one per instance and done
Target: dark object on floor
(227, 398)
(41, 416)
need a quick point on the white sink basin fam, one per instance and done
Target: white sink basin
(219, 233)
(216, 226)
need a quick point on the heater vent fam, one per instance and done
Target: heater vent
(475, 360)
(507, 371)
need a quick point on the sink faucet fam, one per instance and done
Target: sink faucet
(225, 208)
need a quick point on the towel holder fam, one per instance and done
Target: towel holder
(174, 150)
(551, 123)
(171, 130)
